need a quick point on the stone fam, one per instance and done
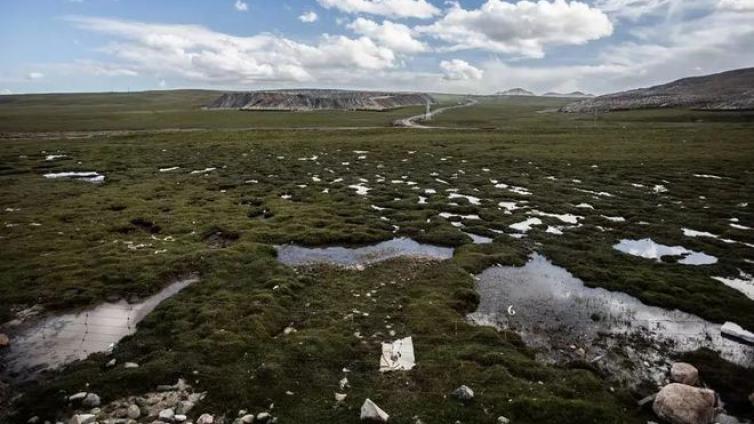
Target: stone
(128, 365)
(4, 341)
(33, 420)
(205, 419)
(681, 372)
(167, 415)
(77, 397)
(737, 332)
(82, 419)
(682, 404)
(247, 419)
(133, 412)
(111, 363)
(727, 419)
(372, 413)
(91, 401)
(180, 418)
(503, 420)
(340, 397)
(184, 407)
(263, 417)
(463, 393)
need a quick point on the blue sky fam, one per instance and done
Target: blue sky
(468, 46)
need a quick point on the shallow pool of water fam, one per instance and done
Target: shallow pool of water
(60, 339)
(647, 248)
(294, 255)
(554, 312)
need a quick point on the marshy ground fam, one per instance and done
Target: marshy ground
(217, 203)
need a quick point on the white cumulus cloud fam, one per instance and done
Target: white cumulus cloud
(241, 6)
(523, 28)
(460, 70)
(397, 37)
(308, 17)
(35, 75)
(420, 9)
(737, 5)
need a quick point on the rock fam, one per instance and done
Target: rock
(263, 417)
(503, 420)
(205, 419)
(184, 407)
(683, 404)
(646, 400)
(247, 419)
(77, 397)
(180, 418)
(33, 420)
(133, 412)
(130, 365)
(82, 419)
(463, 393)
(91, 401)
(340, 397)
(111, 363)
(681, 372)
(4, 340)
(371, 412)
(167, 415)
(737, 332)
(727, 419)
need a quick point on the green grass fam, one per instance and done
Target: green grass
(228, 327)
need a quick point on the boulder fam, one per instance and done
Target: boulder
(372, 413)
(4, 340)
(682, 404)
(91, 401)
(247, 419)
(205, 419)
(681, 372)
(133, 412)
(463, 393)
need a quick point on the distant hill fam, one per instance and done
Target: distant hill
(573, 94)
(305, 100)
(732, 90)
(516, 92)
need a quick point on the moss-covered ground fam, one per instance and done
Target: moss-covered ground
(69, 244)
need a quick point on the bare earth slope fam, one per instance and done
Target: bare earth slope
(732, 90)
(299, 100)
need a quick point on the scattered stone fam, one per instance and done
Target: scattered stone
(77, 397)
(682, 404)
(340, 397)
(247, 419)
(205, 419)
(111, 363)
(91, 401)
(4, 340)
(463, 393)
(133, 412)
(128, 365)
(681, 372)
(503, 420)
(371, 412)
(398, 355)
(180, 418)
(263, 417)
(167, 415)
(33, 420)
(82, 419)
(727, 419)
(737, 332)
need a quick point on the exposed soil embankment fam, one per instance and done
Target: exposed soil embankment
(305, 100)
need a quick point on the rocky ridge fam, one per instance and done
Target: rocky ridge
(308, 100)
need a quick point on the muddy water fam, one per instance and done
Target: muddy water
(558, 315)
(60, 339)
(345, 256)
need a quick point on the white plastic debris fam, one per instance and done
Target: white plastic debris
(398, 356)
(371, 412)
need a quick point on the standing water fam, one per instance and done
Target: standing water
(345, 256)
(61, 339)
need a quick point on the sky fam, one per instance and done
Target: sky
(464, 46)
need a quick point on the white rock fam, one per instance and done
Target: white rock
(180, 418)
(371, 412)
(463, 393)
(167, 415)
(111, 363)
(77, 397)
(398, 355)
(247, 419)
(736, 331)
(681, 372)
(205, 419)
(263, 417)
(82, 419)
(91, 401)
(133, 412)
(130, 365)
(340, 397)
(681, 404)
(503, 420)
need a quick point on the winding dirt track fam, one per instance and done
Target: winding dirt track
(412, 121)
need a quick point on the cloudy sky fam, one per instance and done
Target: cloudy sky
(465, 46)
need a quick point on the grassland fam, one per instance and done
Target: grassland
(68, 244)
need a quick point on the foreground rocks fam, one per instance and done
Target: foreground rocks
(370, 412)
(683, 404)
(684, 373)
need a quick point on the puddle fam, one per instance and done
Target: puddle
(647, 248)
(477, 239)
(293, 255)
(58, 340)
(89, 176)
(556, 314)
